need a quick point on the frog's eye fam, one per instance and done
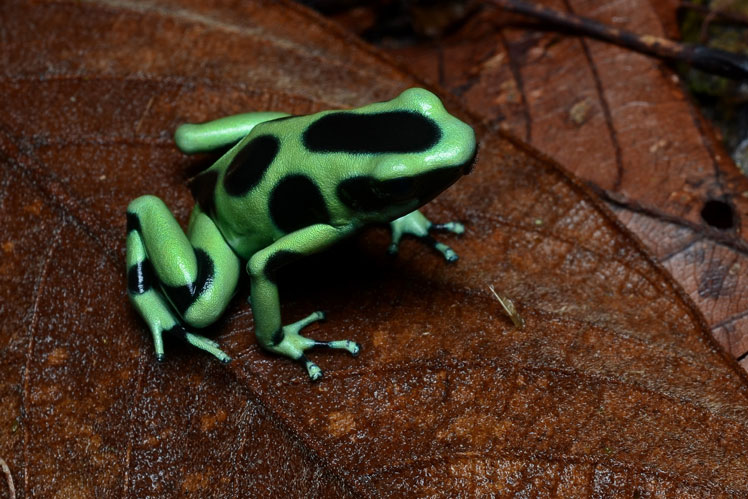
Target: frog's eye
(369, 195)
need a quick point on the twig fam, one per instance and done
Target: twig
(9, 478)
(710, 60)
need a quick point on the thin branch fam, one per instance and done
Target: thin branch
(709, 60)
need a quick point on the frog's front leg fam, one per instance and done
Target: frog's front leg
(173, 277)
(262, 268)
(416, 224)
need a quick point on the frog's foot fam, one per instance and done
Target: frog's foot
(290, 343)
(195, 340)
(208, 345)
(416, 224)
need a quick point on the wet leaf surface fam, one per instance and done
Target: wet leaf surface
(613, 386)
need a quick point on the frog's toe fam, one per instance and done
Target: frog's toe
(208, 345)
(350, 346)
(297, 326)
(453, 227)
(416, 224)
(292, 344)
(210, 342)
(447, 252)
(315, 373)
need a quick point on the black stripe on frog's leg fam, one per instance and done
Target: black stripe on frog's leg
(250, 164)
(277, 260)
(297, 202)
(277, 337)
(184, 296)
(203, 189)
(389, 132)
(140, 278)
(133, 223)
(177, 330)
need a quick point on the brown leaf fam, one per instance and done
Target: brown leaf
(614, 386)
(622, 122)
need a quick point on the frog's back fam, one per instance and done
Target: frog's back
(265, 187)
(338, 168)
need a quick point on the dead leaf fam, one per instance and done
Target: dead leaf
(614, 386)
(622, 122)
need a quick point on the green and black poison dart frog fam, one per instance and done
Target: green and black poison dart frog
(290, 186)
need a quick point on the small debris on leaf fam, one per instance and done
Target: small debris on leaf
(509, 308)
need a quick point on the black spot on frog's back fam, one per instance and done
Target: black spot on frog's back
(296, 202)
(250, 164)
(389, 132)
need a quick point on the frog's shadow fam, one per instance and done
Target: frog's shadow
(190, 167)
(358, 263)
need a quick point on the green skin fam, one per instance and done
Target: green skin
(247, 205)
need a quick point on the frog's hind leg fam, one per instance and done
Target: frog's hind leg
(171, 276)
(202, 137)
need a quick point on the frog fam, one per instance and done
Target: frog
(288, 186)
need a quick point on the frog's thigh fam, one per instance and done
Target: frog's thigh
(198, 274)
(202, 137)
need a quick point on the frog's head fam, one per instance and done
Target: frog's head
(412, 149)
